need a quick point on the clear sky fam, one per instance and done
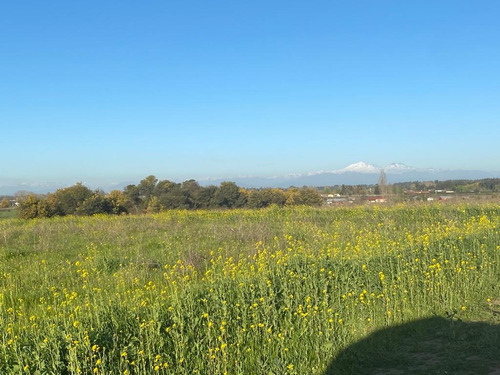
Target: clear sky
(117, 90)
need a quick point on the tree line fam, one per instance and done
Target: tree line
(152, 195)
(485, 185)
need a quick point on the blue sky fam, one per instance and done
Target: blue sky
(117, 90)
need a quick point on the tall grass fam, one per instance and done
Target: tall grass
(274, 291)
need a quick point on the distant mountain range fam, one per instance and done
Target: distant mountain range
(360, 173)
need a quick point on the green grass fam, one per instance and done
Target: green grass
(8, 213)
(274, 291)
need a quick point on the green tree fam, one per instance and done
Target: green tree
(34, 207)
(147, 187)
(266, 197)
(204, 197)
(5, 203)
(174, 198)
(190, 189)
(254, 199)
(164, 187)
(154, 206)
(68, 200)
(118, 202)
(274, 196)
(228, 195)
(304, 196)
(133, 202)
(95, 204)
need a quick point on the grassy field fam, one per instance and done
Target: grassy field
(387, 290)
(8, 213)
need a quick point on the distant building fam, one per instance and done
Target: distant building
(445, 197)
(376, 199)
(336, 200)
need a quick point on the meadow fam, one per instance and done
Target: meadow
(271, 291)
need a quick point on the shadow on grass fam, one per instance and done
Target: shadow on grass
(429, 346)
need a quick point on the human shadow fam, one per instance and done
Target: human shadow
(428, 346)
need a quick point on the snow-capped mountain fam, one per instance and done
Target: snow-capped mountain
(398, 168)
(360, 173)
(360, 167)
